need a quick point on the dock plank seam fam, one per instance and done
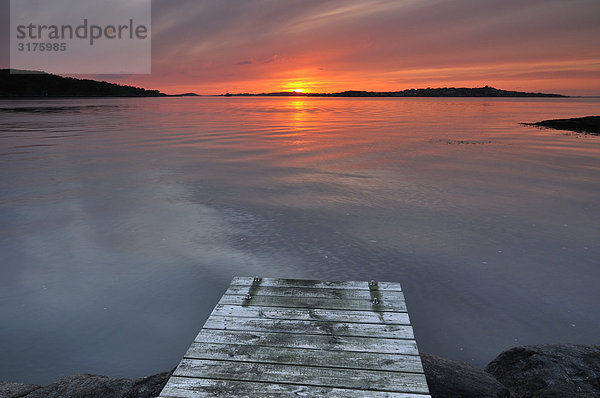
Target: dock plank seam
(302, 385)
(397, 372)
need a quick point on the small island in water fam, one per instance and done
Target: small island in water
(587, 124)
(486, 91)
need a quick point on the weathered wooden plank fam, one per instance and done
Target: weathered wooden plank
(309, 302)
(339, 294)
(282, 337)
(186, 387)
(298, 356)
(314, 284)
(307, 314)
(304, 375)
(310, 327)
(313, 341)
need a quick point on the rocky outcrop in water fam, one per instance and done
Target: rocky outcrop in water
(587, 124)
(86, 385)
(558, 370)
(447, 378)
(16, 390)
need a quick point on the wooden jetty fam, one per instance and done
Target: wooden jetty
(286, 337)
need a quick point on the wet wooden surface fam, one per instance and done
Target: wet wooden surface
(288, 337)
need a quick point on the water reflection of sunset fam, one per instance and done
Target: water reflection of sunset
(298, 126)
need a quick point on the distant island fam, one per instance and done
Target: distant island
(23, 84)
(486, 91)
(587, 124)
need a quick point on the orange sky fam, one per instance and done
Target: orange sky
(214, 47)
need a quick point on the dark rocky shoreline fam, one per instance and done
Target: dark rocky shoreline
(557, 370)
(553, 370)
(87, 385)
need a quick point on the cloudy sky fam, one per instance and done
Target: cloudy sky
(218, 46)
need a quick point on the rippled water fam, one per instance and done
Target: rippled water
(123, 220)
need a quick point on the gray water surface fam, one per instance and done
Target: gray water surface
(123, 220)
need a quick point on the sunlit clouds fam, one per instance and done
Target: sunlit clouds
(214, 47)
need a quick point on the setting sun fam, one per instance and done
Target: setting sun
(298, 86)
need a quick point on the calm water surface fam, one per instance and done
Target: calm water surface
(123, 220)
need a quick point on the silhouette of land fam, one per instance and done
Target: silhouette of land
(421, 92)
(587, 124)
(40, 84)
